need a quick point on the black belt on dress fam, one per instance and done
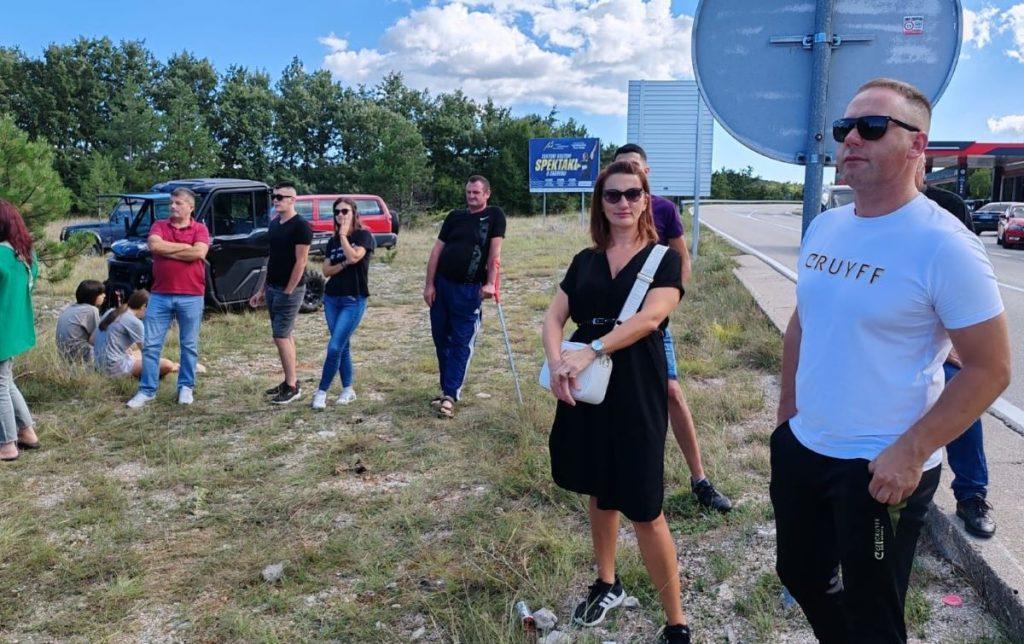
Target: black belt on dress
(599, 322)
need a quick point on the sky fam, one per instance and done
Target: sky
(530, 55)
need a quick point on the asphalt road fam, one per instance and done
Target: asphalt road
(775, 231)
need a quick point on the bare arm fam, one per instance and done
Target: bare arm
(301, 257)
(494, 260)
(353, 254)
(331, 269)
(984, 351)
(658, 304)
(435, 255)
(177, 250)
(790, 360)
(158, 246)
(552, 331)
(678, 244)
(191, 253)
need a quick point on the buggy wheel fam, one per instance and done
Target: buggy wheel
(314, 298)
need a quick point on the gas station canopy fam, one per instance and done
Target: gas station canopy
(955, 157)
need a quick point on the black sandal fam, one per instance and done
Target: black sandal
(435, 403)
(447, 407)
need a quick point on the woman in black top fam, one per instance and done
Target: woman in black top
(614, 451)
(347, 266)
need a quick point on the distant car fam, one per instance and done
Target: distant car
(835, 196)
(373, 212)
(103, 234)
(974, 204)
(235, 213)
(987, 217)
(1010, 231)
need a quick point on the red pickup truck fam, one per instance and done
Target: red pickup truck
(373, 212)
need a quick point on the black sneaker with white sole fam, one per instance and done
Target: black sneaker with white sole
(602, 598)
(286, 395)
(276, 389)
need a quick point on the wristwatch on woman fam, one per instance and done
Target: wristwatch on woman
(598, 347)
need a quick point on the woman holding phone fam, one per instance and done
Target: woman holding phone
(347, 269)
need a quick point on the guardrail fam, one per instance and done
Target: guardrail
(1011, 415)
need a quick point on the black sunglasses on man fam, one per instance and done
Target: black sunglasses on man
(870, 128)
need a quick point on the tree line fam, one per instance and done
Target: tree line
(119, 119)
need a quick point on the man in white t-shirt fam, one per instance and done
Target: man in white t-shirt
(885, 284)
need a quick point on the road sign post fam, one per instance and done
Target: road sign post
(815, 156)
(751, 68)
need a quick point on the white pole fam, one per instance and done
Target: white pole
(696, 186)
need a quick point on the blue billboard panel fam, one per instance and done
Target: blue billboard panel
(564, 165)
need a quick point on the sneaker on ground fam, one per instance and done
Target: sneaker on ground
(601, 598)
(185, 396)
(975, 513)
(276, 389)
(320, 399)
(138, 400)
(348, 395)
(675, 634)
(710, 498)
(286, 395)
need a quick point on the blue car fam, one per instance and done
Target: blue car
(102, 235)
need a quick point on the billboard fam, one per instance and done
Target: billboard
(667, 119)
(564, 165)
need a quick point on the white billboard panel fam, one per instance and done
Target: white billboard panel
(663, 119)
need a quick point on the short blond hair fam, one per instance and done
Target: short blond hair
(913, 96)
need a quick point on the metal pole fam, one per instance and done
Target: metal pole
(504, 332)
(696, 187)
(814, 155)
(582, 217)
(544, 200)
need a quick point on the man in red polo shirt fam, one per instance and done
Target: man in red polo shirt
(179, 247)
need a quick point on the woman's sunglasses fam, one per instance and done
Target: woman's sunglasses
(342, 211)
(870, 128)
(632, 195)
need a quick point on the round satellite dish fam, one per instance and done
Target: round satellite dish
(752, 60)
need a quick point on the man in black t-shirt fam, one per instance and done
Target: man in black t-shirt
(461, 272)
(966, 454)
(290, 237)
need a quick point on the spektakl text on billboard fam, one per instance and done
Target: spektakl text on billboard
(564, 165)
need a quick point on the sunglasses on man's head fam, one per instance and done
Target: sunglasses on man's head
(280, 197)
(342, 211)
(870, 128)
(632, 195)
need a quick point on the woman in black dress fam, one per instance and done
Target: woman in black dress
(614, 451)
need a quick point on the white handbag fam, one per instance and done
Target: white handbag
(593, 381)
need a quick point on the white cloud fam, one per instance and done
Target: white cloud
(1009, 124)
(570, 53)
(1013, 21)
(978, 26)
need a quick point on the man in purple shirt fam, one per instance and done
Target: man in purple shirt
(670, 233)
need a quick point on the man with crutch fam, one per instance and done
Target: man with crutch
(461, 273)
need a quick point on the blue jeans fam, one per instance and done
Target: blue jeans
(188, 311)
(670, 355)
(455, 321)
(343, 313)
(966, 456)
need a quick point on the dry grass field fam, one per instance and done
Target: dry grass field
(391, 525)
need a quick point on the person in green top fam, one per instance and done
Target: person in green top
(18, 272)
